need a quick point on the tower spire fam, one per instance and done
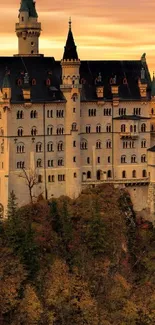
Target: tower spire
(70, 52)
(70, 23)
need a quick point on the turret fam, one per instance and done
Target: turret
(70, 62)
(6, 88)
(71, 90)
(28, 29)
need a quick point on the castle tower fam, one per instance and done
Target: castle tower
(28, 29)
(71, 89)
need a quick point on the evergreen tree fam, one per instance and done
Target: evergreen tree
(12, 205)
(96, 232)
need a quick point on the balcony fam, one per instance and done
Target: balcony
(129, 135)
(126, 181)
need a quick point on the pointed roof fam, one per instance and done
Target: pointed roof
(153, 87)
(70, 52)
(29, 6)
(6, 81)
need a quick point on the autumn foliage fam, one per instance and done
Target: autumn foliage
(88, 261)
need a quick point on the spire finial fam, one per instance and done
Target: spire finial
(70, 23)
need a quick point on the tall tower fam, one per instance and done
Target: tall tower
(71, 89)
(28, 29)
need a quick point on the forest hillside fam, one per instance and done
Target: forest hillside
(77, 262)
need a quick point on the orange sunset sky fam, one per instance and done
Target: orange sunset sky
(103, 29)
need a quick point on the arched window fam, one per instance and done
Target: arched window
(38, 147)
(84, 144)
(39, 163)
(51, 178)
(20, 132)
(144, 173)
(143, 127)
(123, 174)
(33, 114)
(131, 128)
(143, 158)
(98, 128)
(20, 164)
(135, 128)
(60, 130)
(134, 173)
(50, 146)
(143, 143)
(88, 129)
(20, 115)
(20, 148)
(88, 174)
(108, 128)
(123, 128)
(108, 144)
(49, 113)
(123, 159)
(152, 128)
(133, 159)
(40, 178)
(60, 162)
(98, 175)
(49, 130)
(60, 146)
(34, 131)
(74, 126)
(98, 144)
(109, 174)
(152, 111)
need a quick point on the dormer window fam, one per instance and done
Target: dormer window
(125, 81)
(48, 82)
(33, 82)
(19, 82)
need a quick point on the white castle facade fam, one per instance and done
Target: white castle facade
(71, 124)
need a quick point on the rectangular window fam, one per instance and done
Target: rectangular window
(109, 159)
(74, 143)
(88, 160)
(75, 175)
(61, 178)
(74, 159)
(98, 160)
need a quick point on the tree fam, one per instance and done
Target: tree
(12, 205)
(96, 232)
(31, 178)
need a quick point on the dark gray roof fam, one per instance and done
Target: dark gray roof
(120, 70)
(43, 68)
(152, 149)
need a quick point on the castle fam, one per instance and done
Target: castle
(71, 124)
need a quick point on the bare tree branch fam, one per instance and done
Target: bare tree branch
(31, 178)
